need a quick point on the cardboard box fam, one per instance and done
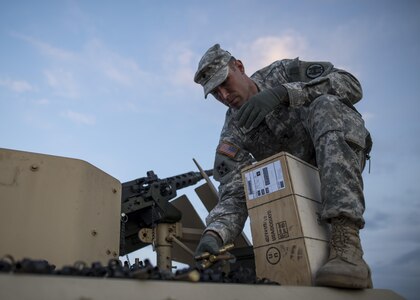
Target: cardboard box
(284, 199)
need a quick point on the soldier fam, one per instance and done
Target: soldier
(305, 109)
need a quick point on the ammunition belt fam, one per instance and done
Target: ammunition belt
(139, 270)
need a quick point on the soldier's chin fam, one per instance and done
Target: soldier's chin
(235, 103)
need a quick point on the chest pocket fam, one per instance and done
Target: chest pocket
(289, 133)
(261, 142)
(274, 134)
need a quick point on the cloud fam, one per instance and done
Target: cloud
(80, 118)
(63, 82)
(117, 68)
(378, 220)
(19, 86)
(411, 258)
(267, 49)
(42, 101)
(179, 64)
(72, 73)
(47, 49)
(400, 274)
(368, 116)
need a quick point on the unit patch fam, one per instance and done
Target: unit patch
(314, 71)
(227, 149)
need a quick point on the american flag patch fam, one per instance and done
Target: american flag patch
(228, 149)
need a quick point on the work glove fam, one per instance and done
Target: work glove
(208, 243)
(253, 112)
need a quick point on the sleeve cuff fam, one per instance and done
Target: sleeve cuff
(296, 95)
(221, 230)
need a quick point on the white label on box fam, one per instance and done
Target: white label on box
(265, 180)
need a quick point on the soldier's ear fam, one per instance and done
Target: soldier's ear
(240, 66)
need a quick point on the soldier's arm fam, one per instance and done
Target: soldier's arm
(227, 219)
(309, 80)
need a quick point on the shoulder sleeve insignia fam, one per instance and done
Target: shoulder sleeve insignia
(228, 149)
(314, 70)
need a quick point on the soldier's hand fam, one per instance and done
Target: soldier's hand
(253, 112)
(210, 243)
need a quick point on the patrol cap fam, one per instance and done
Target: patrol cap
(213, 68)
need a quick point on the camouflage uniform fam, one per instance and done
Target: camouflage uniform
(319, 124)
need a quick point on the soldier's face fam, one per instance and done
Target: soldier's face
(234, 91)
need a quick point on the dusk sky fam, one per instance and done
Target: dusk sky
(111, 83)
